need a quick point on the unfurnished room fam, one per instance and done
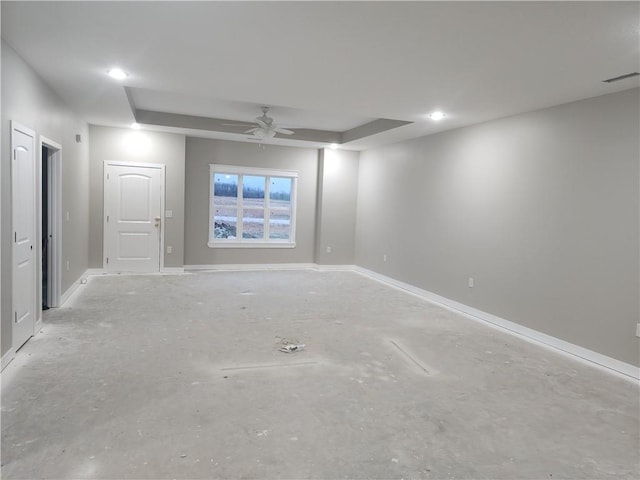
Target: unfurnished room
(320, 240)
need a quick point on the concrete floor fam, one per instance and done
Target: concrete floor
(179, 376)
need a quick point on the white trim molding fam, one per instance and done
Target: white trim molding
(54, 215)
(335, 268)
(176, 270)
(95, 271)
(82, 279)
(249, 244)
(7, 357)
(251, 267)
(585, 355)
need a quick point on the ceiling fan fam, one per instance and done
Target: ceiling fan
(263, 127)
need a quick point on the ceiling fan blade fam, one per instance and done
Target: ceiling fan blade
(261, 122)
(238, 125)
(284, 130)
(255, 129)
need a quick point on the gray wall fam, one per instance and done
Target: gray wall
(165, 148)
(542, 209)
(337, 196)
(27, 100)
(202, 152)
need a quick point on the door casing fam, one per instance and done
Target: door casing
(161, 167)
(54, 213)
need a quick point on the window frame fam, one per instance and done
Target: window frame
(240, 242)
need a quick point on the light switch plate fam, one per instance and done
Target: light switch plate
(168, 214)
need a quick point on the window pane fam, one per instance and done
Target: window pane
(225, 202)
(280, 208)
(253, 188)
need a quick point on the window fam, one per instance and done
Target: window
(252, 207)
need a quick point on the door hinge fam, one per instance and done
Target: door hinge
(107, 176)
(15, 237)
(14, 154)
(107, 218)
(107, 260)
(15, 316)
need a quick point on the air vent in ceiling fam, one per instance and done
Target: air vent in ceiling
(621, 77)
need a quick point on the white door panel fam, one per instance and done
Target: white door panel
(23, 184)
(135, 245)
(133, 207)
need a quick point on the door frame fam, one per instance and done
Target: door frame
(34, 298)
(162, 168)
(54, 214)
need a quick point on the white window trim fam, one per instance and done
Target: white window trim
(251, 243)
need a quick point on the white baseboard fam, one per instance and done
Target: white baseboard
(335, 268)
(164, 270)
(172, 270)
(7, 357)
(82, 279)
(592, 358)
(251, 267)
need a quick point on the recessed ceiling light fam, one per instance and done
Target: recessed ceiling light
(333, 146)
(135, 126)
(117, 73)
(436, 116)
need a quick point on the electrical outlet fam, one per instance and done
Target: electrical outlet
(328, 249)
(169, 249)
(638, 330)
(384, 257)
(470, 282)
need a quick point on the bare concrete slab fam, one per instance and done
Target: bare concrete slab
(179, 376)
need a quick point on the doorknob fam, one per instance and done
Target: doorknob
(158, 221)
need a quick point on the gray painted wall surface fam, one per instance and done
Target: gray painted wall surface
(29, 101)
(118, 144)
(542, 209)
(337, 196)
(202, 152)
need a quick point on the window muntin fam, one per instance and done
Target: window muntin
(252, 207)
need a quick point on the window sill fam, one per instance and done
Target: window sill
(250, 245)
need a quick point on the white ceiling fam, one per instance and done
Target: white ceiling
(327, 65)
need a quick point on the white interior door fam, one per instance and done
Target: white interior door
(133, 204)
(23, 195)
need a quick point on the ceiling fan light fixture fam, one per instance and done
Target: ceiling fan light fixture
(264, 127)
